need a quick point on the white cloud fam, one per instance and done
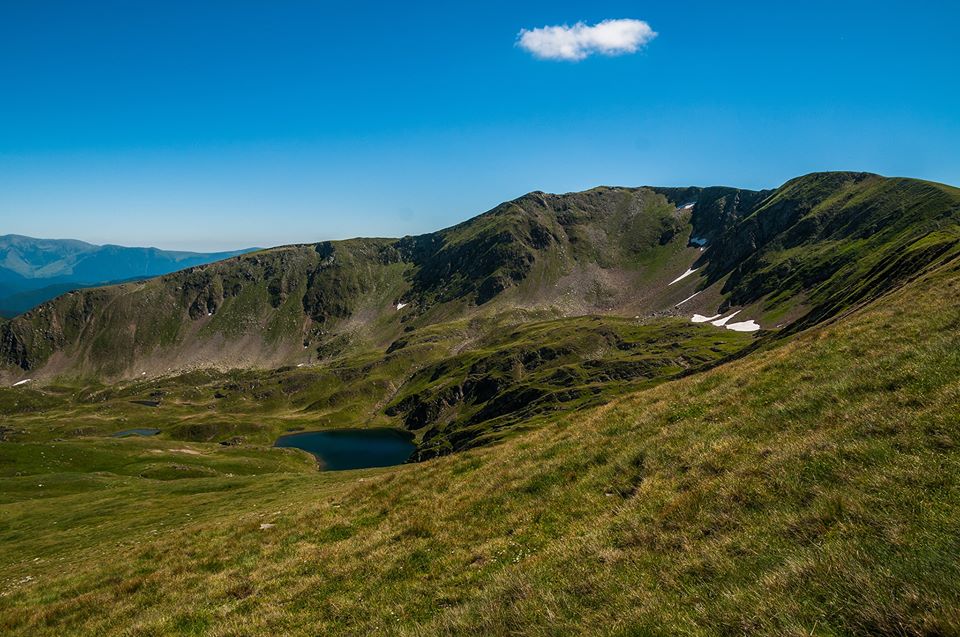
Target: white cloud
(610, 37)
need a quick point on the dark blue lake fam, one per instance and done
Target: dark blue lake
(339, 449)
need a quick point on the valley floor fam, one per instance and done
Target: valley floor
(812, 488)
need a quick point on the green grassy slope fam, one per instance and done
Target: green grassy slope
(613, 475)
(539, 368)
(451, 397)
(839, 239)
(811, 487)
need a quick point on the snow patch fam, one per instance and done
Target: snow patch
(684, 275)
(723, 321)
(687, 206)
(299, 364)
(687, 299)
(744, 326)
(400, 306)
(697, 241)
(700, 318)
(23, 382)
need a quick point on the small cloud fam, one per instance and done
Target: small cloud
(610, 37)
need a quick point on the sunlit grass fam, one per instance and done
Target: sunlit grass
(813, 488)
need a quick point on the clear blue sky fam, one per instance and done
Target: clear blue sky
(203, 125)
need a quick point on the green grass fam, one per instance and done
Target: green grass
(812, 487)
(609, 475)
(518, 372)
(525, 373)
(836, 240)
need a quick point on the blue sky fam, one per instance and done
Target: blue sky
(209, 125)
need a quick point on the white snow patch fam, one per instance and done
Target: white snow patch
(700, 318)
(744, 326)
(684, 275)
(299, 364)
(400, 306)
(23, 382)
(697, 241)
(723, 321)
(687, 299)
(687, 206)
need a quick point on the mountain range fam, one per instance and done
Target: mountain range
(462, 333)
(785, 259)
(36, 270)
(635, 410)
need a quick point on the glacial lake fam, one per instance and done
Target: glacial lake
(339, 449)
(136, 432)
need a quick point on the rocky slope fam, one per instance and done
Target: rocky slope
(814, 247)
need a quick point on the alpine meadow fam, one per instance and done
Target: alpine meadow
(623, 410)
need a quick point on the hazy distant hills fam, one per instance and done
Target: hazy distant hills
(36, 270)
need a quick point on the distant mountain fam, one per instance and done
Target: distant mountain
(36, 270)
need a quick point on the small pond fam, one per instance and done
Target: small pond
(136, 432)
(339, 449)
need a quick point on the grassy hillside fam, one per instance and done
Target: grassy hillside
(590, 459)
(451, 396)
(540, 368)
(810, 487)
(838, 239)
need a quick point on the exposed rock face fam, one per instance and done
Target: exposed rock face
(716, 209)
(13, 350)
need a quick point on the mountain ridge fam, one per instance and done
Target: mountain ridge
(467, 264)
(778, 255)
(34, 270)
